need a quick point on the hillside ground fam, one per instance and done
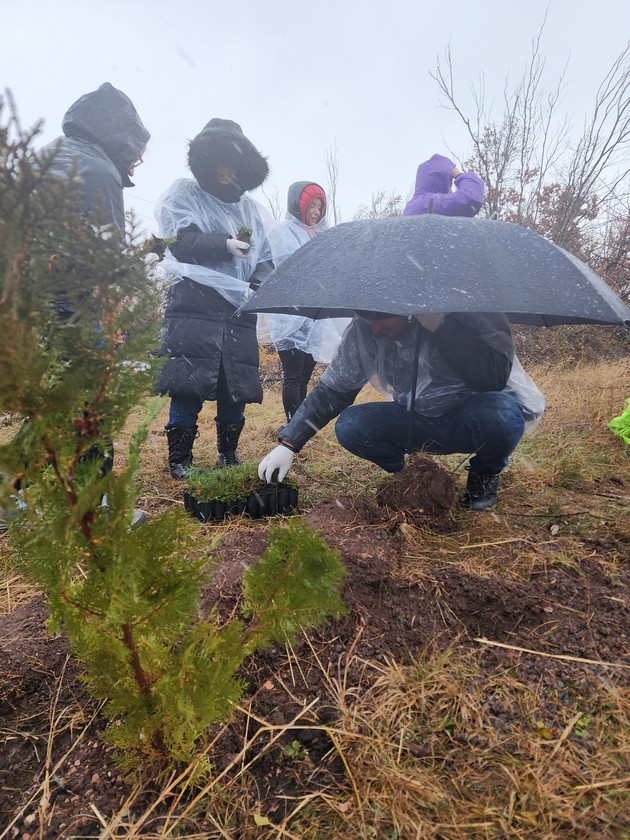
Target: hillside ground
(477, 688)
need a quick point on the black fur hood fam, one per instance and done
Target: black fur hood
(223, 142)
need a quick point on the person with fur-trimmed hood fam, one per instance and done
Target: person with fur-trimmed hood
(219, 253)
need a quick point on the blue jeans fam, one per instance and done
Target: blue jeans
(489, 425)
(185, 410)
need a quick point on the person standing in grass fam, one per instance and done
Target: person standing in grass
(103, 142)
(301, 342)
(219, 251)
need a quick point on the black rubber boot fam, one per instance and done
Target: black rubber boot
(104, 453)
(481, 491)
(227, 443)
(180, 445)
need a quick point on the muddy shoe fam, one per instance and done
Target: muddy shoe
(180, 447)
(481, 491)
(228, 459)
(228, 435)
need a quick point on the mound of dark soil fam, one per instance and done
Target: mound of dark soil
(559, 610)
(423, 492)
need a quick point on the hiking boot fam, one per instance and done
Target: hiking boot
(227, 442)
(180, 445)
(481, 491)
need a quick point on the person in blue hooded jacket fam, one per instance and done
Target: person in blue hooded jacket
(442, 188)
(104, 138)
(103, 142)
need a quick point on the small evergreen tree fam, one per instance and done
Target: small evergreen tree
(127, 600)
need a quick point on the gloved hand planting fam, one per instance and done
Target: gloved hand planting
(279, 459)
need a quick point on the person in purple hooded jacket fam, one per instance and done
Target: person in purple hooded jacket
(434, 190)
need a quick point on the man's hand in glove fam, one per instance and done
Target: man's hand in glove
(279, 459)
(238, 248)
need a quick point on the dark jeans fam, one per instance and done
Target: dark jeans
(185, 410)
(489, 424)
(297, 367)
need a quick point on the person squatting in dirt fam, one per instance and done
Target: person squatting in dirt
(301, 342)
(211, 351)
(472, 397)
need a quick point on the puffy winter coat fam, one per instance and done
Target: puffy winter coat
(433, 182)
(103, 136)
(202, 329)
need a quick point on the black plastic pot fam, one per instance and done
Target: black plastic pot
(269, 500)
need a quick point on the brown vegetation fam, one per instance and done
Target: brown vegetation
(478, 686)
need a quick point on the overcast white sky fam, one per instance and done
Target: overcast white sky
(298, 77)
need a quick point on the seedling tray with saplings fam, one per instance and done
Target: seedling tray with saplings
(213, 495)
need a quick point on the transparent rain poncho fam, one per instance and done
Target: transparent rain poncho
(184, 204)
(319, 337)
(388, 365)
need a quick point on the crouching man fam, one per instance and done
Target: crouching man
(472, 396)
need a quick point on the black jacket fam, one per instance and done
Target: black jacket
(202, 331)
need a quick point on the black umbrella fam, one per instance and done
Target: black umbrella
(422, 264)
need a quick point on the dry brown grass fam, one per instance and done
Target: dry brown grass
(447, 753)
(440, 749)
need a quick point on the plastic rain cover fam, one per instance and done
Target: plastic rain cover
(320, 338)
(184, 204)
(388, 363)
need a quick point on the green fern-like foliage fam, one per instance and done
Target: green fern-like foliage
(126, 599)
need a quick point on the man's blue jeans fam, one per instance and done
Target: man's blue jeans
(489, 425)
(185, 410)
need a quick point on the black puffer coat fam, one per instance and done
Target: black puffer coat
(103, 136)
(201, 329)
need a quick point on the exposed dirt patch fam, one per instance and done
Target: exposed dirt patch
(573, 611)
(424, 492)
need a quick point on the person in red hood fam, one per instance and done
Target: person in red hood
(434, 190)
(305, 219)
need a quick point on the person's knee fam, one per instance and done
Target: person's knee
(346, 428)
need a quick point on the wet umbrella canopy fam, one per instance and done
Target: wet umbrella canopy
(422, 264)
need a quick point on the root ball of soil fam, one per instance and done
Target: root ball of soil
(423, 491)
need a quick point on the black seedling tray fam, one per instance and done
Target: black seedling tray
(270, 500)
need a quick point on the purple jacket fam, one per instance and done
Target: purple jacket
(433, 182)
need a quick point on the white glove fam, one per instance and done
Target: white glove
(430, 322)
(279, 459)
(150, 261)
(236, 248)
